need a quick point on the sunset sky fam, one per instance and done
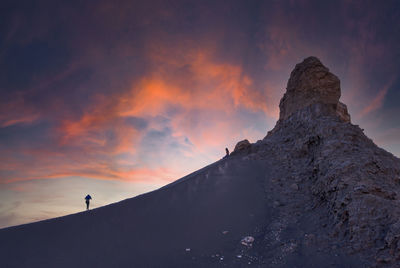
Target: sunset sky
(117, 98)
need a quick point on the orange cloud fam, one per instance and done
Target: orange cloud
(94, 168)
(90, 131)
(208, 85)
(209, 90)
(207, 95)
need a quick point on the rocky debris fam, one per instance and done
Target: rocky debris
(311, 82)
(294, 186)
(247, 241)
(277, 204)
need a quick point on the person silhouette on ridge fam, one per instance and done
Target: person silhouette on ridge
(227, 152)
(87, 198)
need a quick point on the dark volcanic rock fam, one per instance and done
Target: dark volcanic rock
(315, 192)
(356, 182)
(353, 185)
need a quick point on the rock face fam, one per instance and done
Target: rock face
(310, 83)
(345, 180)
(341, 111)
(340, 174)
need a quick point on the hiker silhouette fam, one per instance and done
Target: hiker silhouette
(87, 198)
(227, 153)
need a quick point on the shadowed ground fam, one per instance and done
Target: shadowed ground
(154, 229)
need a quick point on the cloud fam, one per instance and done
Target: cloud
(203, 91)
(199, 98)
(193, 81)
(17, 112)
(378, 100)
(90, 168)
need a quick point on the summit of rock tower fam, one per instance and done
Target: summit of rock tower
(312, 83)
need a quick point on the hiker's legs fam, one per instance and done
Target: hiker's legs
(87, 204)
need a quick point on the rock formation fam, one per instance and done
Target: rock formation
(315, 192)
(311, 83)
(354, 184)
(242, 145)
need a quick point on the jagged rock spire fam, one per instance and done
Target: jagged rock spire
(310, 83)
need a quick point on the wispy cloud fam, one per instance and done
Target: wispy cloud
(378, 100)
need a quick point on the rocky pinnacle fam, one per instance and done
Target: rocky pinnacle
(311, 83)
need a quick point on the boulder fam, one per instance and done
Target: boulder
(242, 145)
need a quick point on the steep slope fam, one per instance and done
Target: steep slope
(150, 230)
(315, 192)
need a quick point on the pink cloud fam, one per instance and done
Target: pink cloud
(212, 91)
(17, 112)
(378, 100)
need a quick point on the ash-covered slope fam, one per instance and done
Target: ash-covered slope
(315, 192)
